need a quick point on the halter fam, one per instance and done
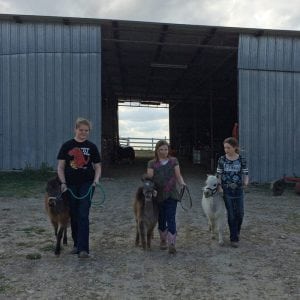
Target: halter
(213, 191)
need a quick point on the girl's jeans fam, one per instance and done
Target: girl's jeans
(167, 215)
(234, 202)
(79, 211)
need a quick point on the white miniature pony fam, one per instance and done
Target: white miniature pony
(214, 207)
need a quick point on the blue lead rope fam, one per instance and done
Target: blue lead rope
(90, 193)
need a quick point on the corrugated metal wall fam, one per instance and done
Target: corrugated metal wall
(269, 105)
(49, 75)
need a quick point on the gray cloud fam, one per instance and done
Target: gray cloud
(142, 114)
(273, 14)
(256, 13)
(143, 122)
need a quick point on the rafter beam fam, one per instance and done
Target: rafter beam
(196, 45)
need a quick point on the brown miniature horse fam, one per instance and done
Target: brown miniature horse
(146, 212)
(57, 208)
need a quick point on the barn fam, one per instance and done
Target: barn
(54, 69)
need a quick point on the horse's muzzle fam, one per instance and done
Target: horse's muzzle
(207, 193)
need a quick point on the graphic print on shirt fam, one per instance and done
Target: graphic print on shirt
(79, 161)
(232, 167)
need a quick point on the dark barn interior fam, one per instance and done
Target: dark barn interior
(192, 68)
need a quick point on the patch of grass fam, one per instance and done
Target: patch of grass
(26, 183)
(292, 226)
(47, 248)
(22, 244)
(34, 256)
(32, 230)
(4, 288)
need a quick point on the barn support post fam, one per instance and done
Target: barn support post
(211, 117)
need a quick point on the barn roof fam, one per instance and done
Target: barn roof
(162, 62)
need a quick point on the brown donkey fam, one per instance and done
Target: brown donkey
(57, 208)
(146, 212)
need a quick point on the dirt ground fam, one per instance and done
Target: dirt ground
(265, 266)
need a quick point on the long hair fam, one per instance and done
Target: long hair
(159, 144)
(233, 142)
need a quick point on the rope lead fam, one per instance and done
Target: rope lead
(90, 194)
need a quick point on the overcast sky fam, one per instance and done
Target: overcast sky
(277, 14)
(268, 14)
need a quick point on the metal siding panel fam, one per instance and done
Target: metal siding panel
(58, 43)
(66, 39)
(84, 79)
(271, 53)
(262, 53)
(55, 79)
(40, 101)
(14, 39)
(58, 116)
(5, 38)
(1, 110)
(269, 106)
(23, 117)
(75, 84)
(288, 54)
(67, 78)
(31, 40)
(23, 39)
(50, 107)
(32, 108)
(272, 133)
(268, 127)
(84, 39)
(49, 38)
(15, 118)
(40, 37)
(75, 36)
(296, 56)
(296, 131)
(6, 100)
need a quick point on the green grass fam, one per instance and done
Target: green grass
(4, 288)
(34, 256)
(32, 230)
(25, 184)
(47, 248)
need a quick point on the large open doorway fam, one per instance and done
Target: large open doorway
(193, 69)
(142, 124)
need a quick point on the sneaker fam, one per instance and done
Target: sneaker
(234, 244)
(74, 250)
(163, 245)
(172, 249)
(83, 254)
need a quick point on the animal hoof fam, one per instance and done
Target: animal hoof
(221, 243)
